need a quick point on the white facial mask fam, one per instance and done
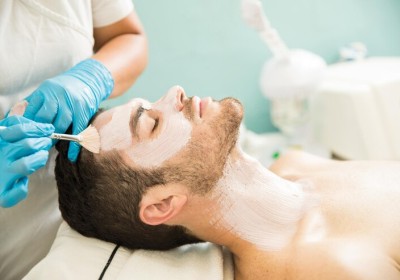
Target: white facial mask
(258, 206)
(116, 134)
(175, 133)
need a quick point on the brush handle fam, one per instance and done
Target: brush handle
(60, 136)
(67, 137)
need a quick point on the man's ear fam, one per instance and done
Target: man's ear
(161, 203)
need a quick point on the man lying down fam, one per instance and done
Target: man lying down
(171, 173)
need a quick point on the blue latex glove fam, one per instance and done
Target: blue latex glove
(24, 147)
(72, 97)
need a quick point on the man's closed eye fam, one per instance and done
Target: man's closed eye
(148, 124)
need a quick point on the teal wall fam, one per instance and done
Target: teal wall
(205, 46)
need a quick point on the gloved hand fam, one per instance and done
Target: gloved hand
(72, 97)
(24, 149)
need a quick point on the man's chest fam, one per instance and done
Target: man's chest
(344, 259)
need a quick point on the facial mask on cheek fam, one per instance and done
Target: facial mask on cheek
(173, 137)
(116, 134)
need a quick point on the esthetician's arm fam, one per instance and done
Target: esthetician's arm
(74, 96)
(122, 48)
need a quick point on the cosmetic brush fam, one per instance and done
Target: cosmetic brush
(89, 138)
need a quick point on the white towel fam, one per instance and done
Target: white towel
(73, 256)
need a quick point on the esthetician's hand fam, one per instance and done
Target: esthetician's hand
(71, 98)
(24, 146)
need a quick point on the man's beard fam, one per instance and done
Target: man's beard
(203, 161)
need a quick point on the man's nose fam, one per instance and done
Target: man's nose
(175, 96)
(180, 98)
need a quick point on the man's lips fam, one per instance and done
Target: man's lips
(204, 104)
(200, 105)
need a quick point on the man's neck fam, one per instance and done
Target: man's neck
(255, 206)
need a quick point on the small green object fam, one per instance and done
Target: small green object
(276, 155)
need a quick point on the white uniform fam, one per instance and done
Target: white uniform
(40, 39)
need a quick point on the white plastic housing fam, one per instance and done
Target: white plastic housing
(357, 109)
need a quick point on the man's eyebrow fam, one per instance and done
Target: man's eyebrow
(133, 124)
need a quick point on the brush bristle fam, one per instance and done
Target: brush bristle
(90, 139)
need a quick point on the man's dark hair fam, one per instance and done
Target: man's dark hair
(99, 197)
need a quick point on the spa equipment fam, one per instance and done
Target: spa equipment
(357, 109)
(288, 78)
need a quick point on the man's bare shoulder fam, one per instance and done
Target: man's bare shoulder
(295, 162)
(295, 165)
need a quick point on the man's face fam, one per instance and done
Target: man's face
(175, 131)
